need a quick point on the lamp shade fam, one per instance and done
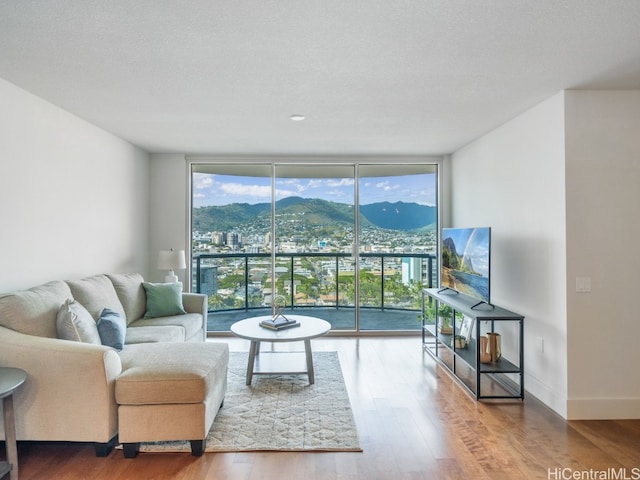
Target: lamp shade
(171, 260)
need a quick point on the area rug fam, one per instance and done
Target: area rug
(280, 412)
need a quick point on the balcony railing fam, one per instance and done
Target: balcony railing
(242, 281)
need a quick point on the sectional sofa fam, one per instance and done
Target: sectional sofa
(73, 364)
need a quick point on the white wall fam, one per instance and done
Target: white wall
(513, 180)
(603, 232)
(168, 216)
(73, 198)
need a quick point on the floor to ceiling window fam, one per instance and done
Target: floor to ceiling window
(314, 239)
(231, 228)
(351, 243)
(397, 238)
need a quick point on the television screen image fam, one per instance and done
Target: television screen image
(466, 261)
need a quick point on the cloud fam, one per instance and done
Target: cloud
(284, 193)
(340, 195)
(288, 181)
(238, 189)
(340, 182)
(386, 186)
(290, 187)
(298, 187)
(202, 181)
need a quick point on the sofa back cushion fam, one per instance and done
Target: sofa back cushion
(131, 294)
(34, 311)
(95, 293)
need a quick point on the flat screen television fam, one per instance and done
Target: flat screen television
(466, 261)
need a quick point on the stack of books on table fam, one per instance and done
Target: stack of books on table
(279, 323)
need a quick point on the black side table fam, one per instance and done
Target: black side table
(10, 380)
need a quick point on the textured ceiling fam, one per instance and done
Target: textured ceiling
(371, 77)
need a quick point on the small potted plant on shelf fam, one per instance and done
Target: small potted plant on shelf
(445, 315)
(461, 341)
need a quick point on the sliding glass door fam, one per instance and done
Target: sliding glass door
(353, 244)
(231, 244)
(397, 238)
(314, 239)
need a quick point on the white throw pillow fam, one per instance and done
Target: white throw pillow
(74, 322)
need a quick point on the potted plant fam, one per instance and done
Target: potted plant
(445, 315)
(460, 341)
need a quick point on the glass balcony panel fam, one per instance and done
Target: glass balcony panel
(323, 285)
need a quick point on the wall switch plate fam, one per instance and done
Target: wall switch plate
(583, 284)
(540, 344)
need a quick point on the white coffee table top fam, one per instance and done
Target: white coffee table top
(310, 327)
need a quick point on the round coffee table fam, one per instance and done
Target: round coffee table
(280, 362)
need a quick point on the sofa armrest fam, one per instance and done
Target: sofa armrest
(69, 392)
(197, 303)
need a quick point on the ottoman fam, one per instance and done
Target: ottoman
(170, 391)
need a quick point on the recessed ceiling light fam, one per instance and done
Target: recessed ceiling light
(296, 117)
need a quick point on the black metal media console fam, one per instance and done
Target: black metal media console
(499, 376)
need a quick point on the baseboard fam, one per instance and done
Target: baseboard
(545, 394)
(583, 408)
(603, 408)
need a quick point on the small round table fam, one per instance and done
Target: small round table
(10, 380)
(280, 362)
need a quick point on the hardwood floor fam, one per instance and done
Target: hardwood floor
(414, 422)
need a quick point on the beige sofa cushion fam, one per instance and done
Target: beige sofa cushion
(191, 323)
(176, 373)
(131, 294)
(153, 333)
(34, 311)
(95, 293)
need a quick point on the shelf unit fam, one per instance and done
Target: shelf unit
(503, 379)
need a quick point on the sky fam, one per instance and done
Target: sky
(212, 189)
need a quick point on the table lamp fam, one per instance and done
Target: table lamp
(171, 260)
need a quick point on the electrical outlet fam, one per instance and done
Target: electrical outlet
(583, 284)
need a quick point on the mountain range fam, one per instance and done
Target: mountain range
(395, 216)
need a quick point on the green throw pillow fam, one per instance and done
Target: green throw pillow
(163, 299)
